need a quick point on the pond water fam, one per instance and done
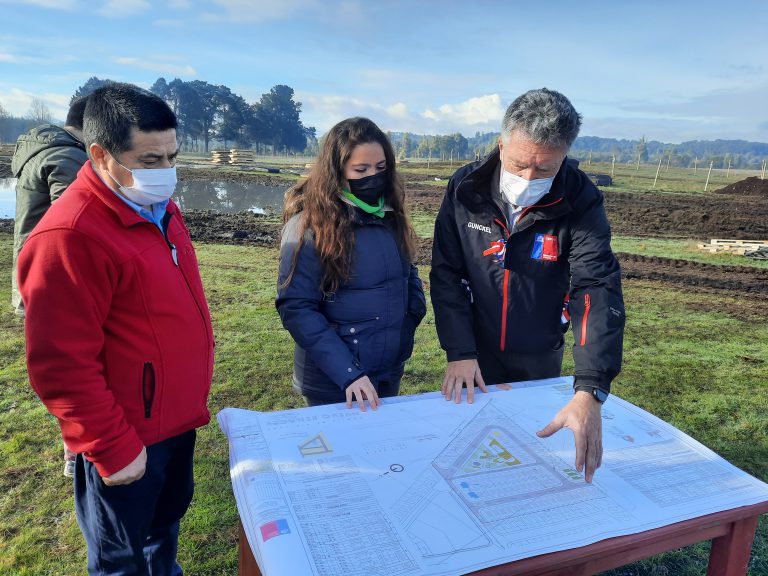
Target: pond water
(229, 197)
(7, 197)
(197, 195)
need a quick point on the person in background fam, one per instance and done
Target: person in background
(45, 161)
(118, 334)
(348, 291)
(522, 248)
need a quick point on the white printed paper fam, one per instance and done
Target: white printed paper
(423, 486)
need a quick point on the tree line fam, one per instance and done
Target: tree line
(721, 153)
(208, 114)
(212, 115)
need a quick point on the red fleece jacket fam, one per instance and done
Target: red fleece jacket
(119, 338)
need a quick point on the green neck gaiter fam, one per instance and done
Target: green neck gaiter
(376, 210)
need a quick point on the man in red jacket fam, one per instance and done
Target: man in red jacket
(119, 338)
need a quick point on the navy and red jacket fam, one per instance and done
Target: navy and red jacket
(504, 293)
(118, 332)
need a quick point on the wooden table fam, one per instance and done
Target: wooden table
(731, 532)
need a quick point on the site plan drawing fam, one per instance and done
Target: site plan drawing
(424, 486)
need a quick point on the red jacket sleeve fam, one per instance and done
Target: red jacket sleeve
(67, 281)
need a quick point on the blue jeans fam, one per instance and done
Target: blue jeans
(134, 529)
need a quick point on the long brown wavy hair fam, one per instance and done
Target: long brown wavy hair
(327, 216)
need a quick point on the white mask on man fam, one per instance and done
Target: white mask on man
(150, 185)
(521, 192)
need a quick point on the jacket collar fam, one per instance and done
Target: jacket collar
(478, 188)
(127, 216)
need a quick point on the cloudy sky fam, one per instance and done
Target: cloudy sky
(664, 69)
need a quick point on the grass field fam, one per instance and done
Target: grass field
(704, 372)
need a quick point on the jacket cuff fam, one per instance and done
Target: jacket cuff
(595, 380)
(118, 457)
(455, 355)
(357, 376)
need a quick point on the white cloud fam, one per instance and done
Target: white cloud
(262, 11)
(159, 67)
(53, 4)
(480, 110)
(23, 59)
(122, 8)
(179, 4)
(17, 102)
(398, 110)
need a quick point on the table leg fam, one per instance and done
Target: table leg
(247, 563)
(730, 553)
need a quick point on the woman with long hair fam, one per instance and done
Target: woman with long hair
(348, 291)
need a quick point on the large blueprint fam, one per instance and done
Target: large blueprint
(425, 486)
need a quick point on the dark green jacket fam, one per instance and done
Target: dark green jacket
(46, 161)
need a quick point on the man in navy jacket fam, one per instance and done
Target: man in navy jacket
(521, 250)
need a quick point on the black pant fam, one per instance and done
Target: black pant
(134, 529)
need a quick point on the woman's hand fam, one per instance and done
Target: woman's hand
(362, 389)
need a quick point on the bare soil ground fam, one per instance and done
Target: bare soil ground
(738, 211)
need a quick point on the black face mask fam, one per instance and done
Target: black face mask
(369, 189)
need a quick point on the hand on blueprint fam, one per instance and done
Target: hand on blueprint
(362, 389)
(582, 416)
(134, 471)
(458, 374)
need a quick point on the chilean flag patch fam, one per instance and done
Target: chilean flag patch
(544, 248)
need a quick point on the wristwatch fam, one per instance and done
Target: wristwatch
(598, 394)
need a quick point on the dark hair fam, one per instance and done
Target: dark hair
(112, 110)
(76, 112)
(327, 216)
(544, 116)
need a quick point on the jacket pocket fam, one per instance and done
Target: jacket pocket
(148, 388)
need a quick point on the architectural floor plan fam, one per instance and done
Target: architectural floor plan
(427, 487)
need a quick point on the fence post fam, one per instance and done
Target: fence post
(657, 174)
(711, 162)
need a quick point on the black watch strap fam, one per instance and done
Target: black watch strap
(598, 394)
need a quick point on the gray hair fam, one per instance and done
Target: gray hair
(545, 117)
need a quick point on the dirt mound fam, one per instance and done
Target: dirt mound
(214, 174)
(687, 216)
(752, 186)
(237, 228)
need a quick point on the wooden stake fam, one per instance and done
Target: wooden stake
(613, 164)
(711, 162)
(657, 174)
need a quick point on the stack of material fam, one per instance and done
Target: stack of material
(220, 156)
(739, 247)
(241, 157)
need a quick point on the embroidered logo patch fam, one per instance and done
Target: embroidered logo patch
(544, 248)
(498, 249)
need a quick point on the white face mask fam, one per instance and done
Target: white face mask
(150, 185)
(521, 192)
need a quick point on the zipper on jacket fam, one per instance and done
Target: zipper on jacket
(505, 296)
(148, 388)
(172, 246)
(587, 306)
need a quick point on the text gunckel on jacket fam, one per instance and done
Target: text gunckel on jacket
(364, 328)
(505, 292)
